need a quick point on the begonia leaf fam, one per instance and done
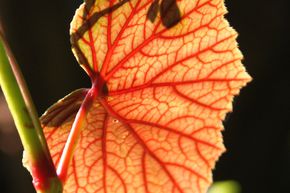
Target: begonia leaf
(164, 74)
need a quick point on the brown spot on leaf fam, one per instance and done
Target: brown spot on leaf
(170, 14)
(153, 11)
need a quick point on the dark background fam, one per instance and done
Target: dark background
(257, 133)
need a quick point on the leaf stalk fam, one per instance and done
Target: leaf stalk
(37, 158)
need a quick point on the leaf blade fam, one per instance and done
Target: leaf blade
(169, 86)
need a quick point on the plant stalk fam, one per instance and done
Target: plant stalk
(37, 157)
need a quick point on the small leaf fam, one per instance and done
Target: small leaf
(64, 109)
(160, 92)
(225, 187)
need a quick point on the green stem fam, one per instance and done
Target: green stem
(39, 161)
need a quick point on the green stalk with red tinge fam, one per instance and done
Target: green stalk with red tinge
(38, 159)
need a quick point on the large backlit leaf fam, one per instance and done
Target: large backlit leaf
(164, 74)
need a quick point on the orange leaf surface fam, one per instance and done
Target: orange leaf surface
(164, 74)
